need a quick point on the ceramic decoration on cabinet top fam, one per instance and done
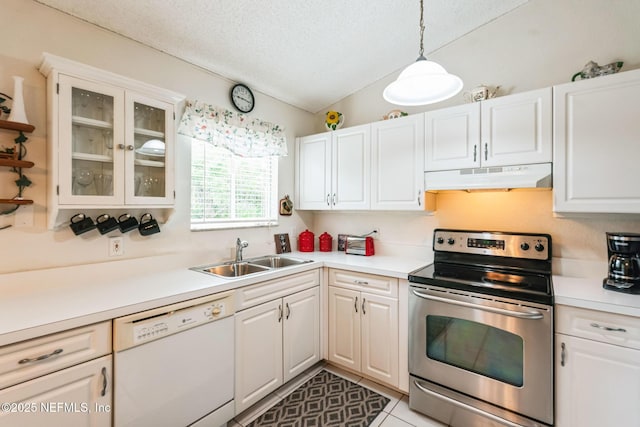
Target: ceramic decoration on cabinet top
(112, 140)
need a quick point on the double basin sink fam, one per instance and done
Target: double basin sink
(262, 264)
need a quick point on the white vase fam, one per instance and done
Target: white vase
(17, 107)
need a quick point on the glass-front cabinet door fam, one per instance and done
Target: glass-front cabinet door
(115, 146)
(91, 127)
(149, 151)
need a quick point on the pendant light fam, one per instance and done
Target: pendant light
(423, 82)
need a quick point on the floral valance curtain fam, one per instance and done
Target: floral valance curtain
(243, 136)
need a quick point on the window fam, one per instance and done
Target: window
(229, 191)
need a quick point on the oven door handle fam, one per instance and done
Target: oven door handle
(465, 406)
(530, 315)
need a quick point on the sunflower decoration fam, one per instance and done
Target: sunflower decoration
(333, 120)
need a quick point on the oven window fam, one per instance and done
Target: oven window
(476, 347)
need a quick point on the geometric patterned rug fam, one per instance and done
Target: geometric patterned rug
(326, 400)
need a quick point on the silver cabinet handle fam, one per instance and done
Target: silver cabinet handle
(360, 282)
(419, 197)
(328, 199)
(288, 310)
(334, 199)
(355, 304)
(280, 313)
(563, 354)
(486, 151)
(39, 358)
(470, 408)
(104, 382)
(607, 328)
(529, 314)
(364, 300)
(475, 152)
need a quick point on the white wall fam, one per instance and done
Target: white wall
(29, 29)
(540, 44)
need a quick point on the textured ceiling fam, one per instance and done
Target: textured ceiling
(309, 54)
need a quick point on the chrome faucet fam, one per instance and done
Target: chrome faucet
(240, 245)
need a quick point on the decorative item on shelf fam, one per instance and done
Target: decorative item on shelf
(81, 223)
(423, 82)
(286, 205)
(481, 93)
(333, 120)
(17, 108)
(326, 241)
(3, 108)
(592, 69)
(394, 114)
(306, 241)
(282, 243)
(148, 225)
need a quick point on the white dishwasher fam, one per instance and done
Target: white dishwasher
(174, 365)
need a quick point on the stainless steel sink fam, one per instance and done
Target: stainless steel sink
(234, 269)
(251, 266)
(274, 261)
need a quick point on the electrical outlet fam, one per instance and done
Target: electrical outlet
(116, 247)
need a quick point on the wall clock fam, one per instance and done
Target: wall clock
(242, 98)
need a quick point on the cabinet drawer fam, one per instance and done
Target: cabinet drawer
(277, 288)
(29, 359)
(381, 285)
(600, 326)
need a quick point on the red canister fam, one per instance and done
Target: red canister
(305, 241)
(325, 242)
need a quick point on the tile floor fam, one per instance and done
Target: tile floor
(395, 414)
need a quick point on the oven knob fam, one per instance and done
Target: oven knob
(524, 246)
(539, 247)
(440, 240)
(451, 241)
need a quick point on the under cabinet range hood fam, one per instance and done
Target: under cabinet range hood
(491, 178)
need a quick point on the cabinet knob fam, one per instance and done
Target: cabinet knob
(121, 146)
(130, 147)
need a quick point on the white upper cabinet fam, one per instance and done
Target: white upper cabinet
(334, 168)
(597, 144)
(397, 164)
(111, 139)
(508, 130)
(452, 138)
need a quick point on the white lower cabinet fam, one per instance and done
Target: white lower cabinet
(597, 369)
(275, 341)
(63, 379)
(363, 326)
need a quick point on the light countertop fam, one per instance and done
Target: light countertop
(589, 293)
(40, 302)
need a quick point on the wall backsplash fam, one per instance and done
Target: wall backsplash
(410, 234)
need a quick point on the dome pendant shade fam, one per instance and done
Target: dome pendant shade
(421, 83)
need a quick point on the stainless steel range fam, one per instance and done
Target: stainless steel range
(481, 330)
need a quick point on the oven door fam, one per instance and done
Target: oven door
(494, 349)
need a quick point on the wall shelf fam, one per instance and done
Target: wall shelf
(15, 162)
(21, 127)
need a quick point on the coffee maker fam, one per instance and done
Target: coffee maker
(624, 263)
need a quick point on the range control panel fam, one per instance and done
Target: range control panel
(150, 325)
(513, 245)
